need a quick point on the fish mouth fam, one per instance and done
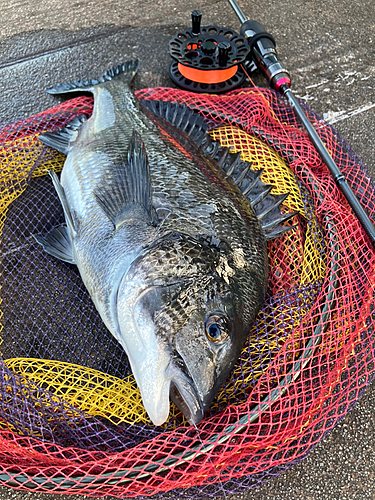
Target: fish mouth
(161, 375)
(184, 395)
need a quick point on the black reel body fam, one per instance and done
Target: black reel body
(207, 59)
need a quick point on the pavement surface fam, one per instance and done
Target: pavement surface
(328, 46)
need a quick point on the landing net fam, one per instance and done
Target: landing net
(71, 416)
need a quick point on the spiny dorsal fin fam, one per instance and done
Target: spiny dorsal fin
(130, 184)
(179, 116)
(61, 139)
(265, 204)
(188, 121)
(125, 71)
(192, 124)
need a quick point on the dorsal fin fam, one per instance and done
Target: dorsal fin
(265, 205)
(179, 116)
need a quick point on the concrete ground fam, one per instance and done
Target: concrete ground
(328, 47)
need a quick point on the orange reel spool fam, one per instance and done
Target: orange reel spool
(207, 59)
(204, 76)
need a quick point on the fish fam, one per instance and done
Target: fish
(169, 232)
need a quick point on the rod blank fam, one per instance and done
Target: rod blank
(266, 60)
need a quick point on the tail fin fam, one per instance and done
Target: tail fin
(125, 72)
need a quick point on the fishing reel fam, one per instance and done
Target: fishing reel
(208, 59)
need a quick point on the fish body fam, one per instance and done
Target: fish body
(171, 251)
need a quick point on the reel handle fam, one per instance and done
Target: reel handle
(196, 18)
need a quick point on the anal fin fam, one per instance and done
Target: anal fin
(57, 243)
(61, 139)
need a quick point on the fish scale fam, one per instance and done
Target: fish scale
(171, 251)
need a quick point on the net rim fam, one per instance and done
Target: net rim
(65, 484)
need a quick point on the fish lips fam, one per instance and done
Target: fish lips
(160, 375)
(184, 394)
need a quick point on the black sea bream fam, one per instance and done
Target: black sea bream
(169, 234)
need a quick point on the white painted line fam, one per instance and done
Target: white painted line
(317, 84)
(337, 116)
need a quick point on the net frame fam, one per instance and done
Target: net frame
(215, 452)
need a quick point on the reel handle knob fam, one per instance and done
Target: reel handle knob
(196, 18)
(208, 47)
(224, 48)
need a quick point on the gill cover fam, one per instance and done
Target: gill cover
(164, 305)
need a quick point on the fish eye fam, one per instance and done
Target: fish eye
(217, 327)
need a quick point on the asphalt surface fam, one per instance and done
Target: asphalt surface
(328, 46)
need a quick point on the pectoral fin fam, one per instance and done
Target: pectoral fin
(130, 186)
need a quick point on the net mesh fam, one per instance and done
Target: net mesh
(71, 417)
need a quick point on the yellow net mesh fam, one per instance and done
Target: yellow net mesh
(97, 393)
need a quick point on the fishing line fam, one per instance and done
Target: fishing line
(213, 60)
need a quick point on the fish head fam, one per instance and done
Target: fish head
(182, 323)
(205, 348)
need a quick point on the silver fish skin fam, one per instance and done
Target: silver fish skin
(170, 250)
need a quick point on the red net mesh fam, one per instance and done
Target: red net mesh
(308, 357)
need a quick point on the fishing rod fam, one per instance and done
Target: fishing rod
(263, 54)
